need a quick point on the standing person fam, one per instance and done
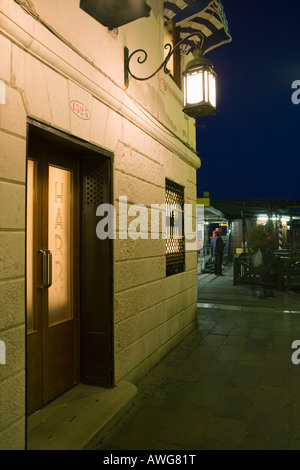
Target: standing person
(218, 252)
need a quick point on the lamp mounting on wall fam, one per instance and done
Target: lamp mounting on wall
(115, 13)
(199, 78)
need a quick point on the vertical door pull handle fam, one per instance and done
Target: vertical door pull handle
(44, 268)
(49, 268)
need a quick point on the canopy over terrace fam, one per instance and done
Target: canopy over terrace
(252, 209)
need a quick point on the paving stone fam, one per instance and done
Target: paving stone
(184, 372)
(140, 429)
(255, 345)
(277, 340)
(228, 352)
(236, 340)
(230, 385)
(213, 444)
(268, 427)
(204, 353)
(207, 324)
(235, 404)
(277, 373)
(263, 444)
(282, 331)
(219, 370)
(214, 340)
(252, 358)
(279, 354)
(295, 444)
(222, 328)
(205, 393)
(273, 401)
(244, 376)
(179, 429)
(295, 379)
(240, 330)
(161, 445)
(295, 420)
(227, 430)
(260, 333)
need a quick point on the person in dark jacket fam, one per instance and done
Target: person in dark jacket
(218, 252)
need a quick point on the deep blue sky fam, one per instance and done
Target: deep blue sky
(251, 149)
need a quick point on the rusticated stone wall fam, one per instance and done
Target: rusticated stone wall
(41, 76)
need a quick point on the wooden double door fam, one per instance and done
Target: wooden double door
(68, 305)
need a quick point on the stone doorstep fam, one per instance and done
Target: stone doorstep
(79, 418)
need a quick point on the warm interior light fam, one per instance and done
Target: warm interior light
(194, 88)
(199, 86)
(206, 86)
(212, 89)
(265, 218)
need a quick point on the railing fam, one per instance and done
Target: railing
(287, 270)
(244, 272)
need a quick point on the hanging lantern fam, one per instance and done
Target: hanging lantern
(199, 87)
(199, 78)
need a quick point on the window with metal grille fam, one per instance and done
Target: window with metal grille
(175, 244)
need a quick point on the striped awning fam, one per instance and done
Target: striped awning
(204, 16)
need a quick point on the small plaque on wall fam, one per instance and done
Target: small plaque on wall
(80, 110)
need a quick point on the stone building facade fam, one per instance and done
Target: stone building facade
(64, 105)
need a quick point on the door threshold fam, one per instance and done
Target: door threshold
(78, 419)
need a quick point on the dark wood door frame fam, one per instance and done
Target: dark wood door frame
(53, 341)
(99, 370)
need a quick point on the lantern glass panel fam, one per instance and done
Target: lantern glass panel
(212, 90)
(194, 88)
(206, 86)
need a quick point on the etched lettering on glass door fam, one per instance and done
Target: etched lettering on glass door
(60, 245)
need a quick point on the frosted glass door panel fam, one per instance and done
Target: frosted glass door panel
(60, 306)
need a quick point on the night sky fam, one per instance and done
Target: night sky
(250, 150)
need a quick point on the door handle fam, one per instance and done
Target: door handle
(44, 268)
(49, 268)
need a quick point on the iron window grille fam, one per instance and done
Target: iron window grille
(175, 242)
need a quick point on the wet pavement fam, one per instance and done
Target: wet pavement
(231, 384)
(221, 291)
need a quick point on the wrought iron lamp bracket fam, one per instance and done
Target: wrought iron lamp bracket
(143, 57)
